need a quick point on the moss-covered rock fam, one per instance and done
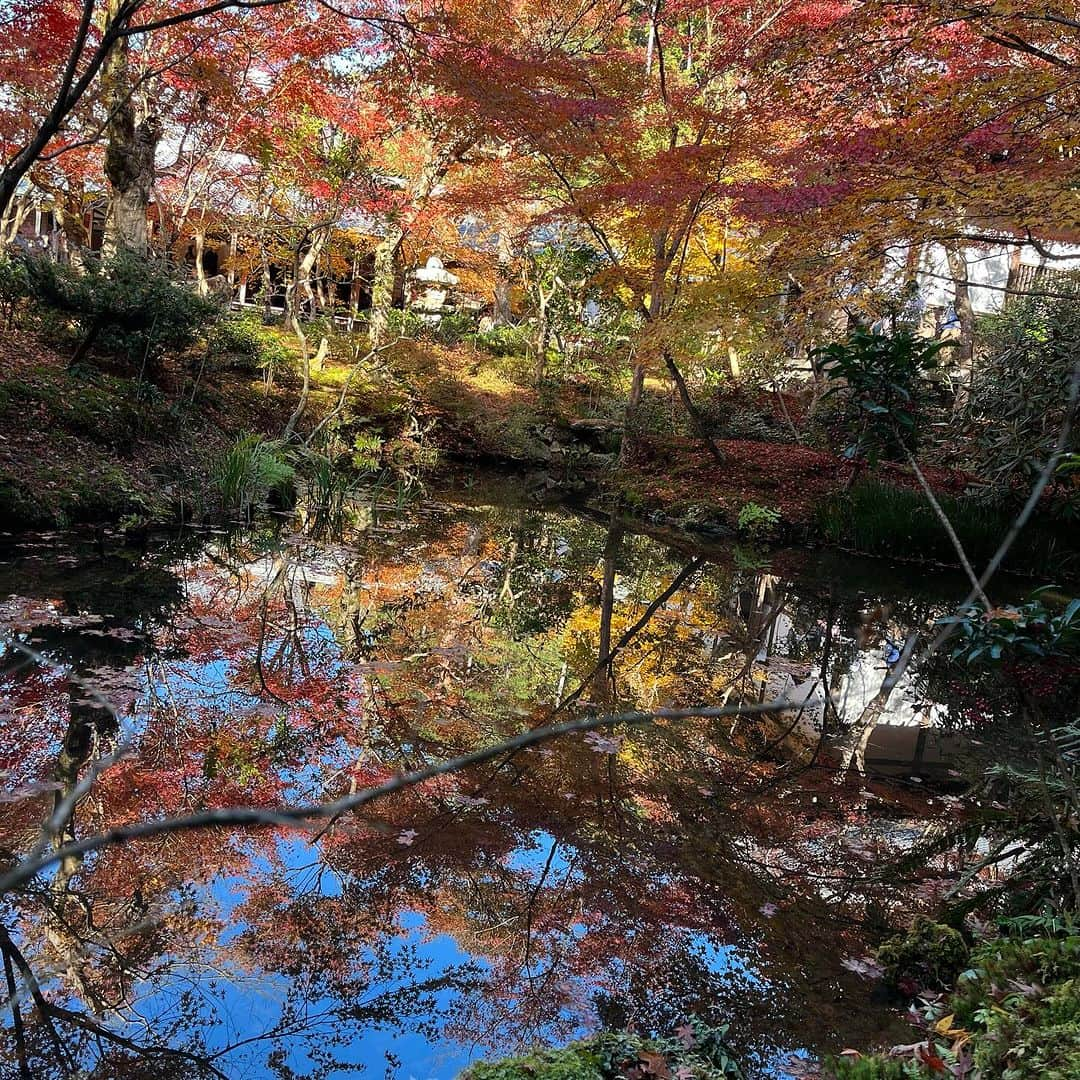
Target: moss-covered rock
(696, 1052)
(928, 957)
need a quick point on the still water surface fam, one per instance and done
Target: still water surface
(699, 868)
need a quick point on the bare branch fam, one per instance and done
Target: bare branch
(304, 816)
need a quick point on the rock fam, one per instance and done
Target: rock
(604, 435)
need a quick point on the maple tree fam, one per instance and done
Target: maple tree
(58, 51)
(726, 183)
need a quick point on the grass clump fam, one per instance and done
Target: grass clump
(249, 472)
(876, 518)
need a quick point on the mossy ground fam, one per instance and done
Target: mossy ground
(696, 1052)
(101, 445)
(1014, 1015)
(94, 445)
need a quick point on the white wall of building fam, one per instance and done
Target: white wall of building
(988, 271)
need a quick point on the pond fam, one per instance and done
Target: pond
(731, 871)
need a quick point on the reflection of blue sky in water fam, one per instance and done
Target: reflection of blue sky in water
(733, 958)
(238, 1008)
(249, 1011)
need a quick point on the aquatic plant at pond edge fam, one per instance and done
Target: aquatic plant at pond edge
(247, 473)
(757, 521)
(878, 518)
(327, 490)
(1030, 630)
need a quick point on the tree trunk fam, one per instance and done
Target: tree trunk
(129, 153)
(543, 335)
(200, 268)
(301, 288)
(637, 387)
(958, 271)
(87, 343)
(696, 419)
(354, 292)
(503, 311)
(231, 268)
(267, 283)
(13, 218)
(1014, 273)
(382, 286)
(308, 366)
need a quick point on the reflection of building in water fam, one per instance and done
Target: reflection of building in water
(905, 750)
(901, 738)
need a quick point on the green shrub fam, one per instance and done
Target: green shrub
(743, 423)
(404, 324)
(244, 342)
(882, 381)
(732, 416)
(927, 957)
(453, 328)
(127, 307)
(14, 288)
(1019, 388)
(502, 341)
(367, 451)
(873, 1067)
(1049, 1053)
(1042, 960)
(449, 329)
(251, 470)
(21, 507)
(1024, 995)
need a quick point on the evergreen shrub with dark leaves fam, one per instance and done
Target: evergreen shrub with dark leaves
(124, 307)
(1020, 386)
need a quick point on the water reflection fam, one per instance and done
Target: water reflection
(692, 869)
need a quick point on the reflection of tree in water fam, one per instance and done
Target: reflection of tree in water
(612, 877)
(93, 943)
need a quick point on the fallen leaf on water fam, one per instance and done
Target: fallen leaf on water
(865, 966)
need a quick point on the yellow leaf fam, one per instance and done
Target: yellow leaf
(944, 1025)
